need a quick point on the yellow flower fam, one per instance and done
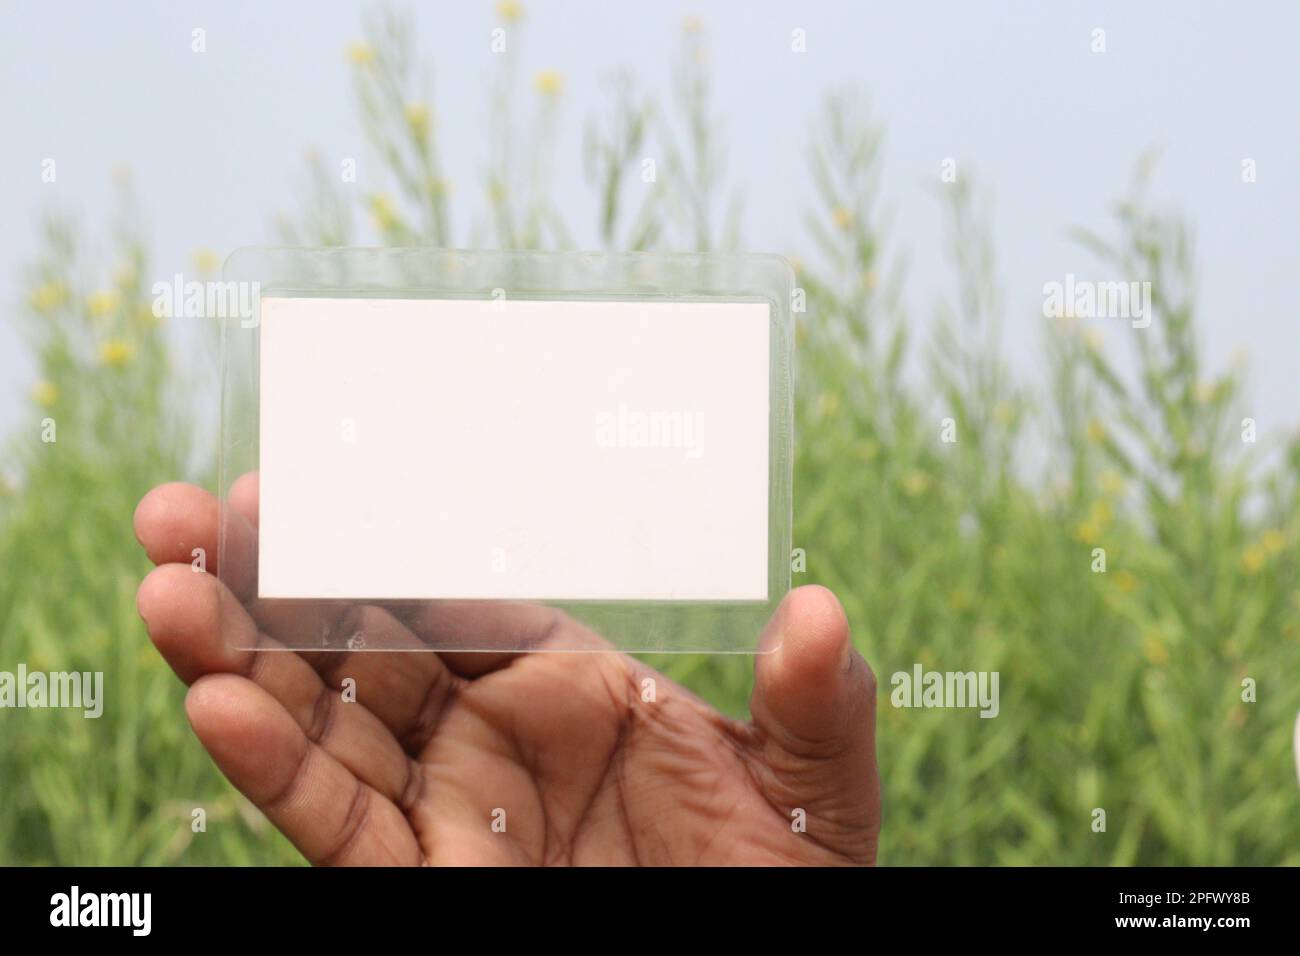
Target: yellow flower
(1203, 393)
(1096, 432)
(1086, 532)
(102, 303)
(842, 217)
(205, 261)
(125, 276)
(1125, 581)
(49, 297)
(916, 482)
(417, 117)
(1112, 483)
(961, 599)
(510, 11)
(692, 25)
(549, 82)
(1100, 513)
(381, 207)
(828, 404)
(1255, 556)
(115, 353)
(45, 394)
(1155, 650)
(360, 54)
(1092, 340)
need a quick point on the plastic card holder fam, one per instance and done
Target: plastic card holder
(506, 451)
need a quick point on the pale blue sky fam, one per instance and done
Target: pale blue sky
(1010, 89)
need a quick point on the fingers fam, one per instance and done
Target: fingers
(408, 692)
(494, 630)
(186, 613)
(197, 624)
(814, 706)
(243, 497)
(174, 520)
(330, 815)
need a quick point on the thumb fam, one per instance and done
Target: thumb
(814, 707)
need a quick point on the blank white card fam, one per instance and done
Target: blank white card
(439, 448)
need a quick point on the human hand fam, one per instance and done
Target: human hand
(586, 772)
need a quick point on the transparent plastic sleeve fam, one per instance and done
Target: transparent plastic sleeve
(506, 451)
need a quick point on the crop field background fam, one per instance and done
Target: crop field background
(1126, 689)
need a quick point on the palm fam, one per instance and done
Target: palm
(462, 758)
(587, 771)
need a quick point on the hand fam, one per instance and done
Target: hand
(414, 770)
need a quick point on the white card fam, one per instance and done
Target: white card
(545, 450)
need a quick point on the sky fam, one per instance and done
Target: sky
(1013, 91)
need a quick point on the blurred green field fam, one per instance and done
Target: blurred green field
(1120, 690)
